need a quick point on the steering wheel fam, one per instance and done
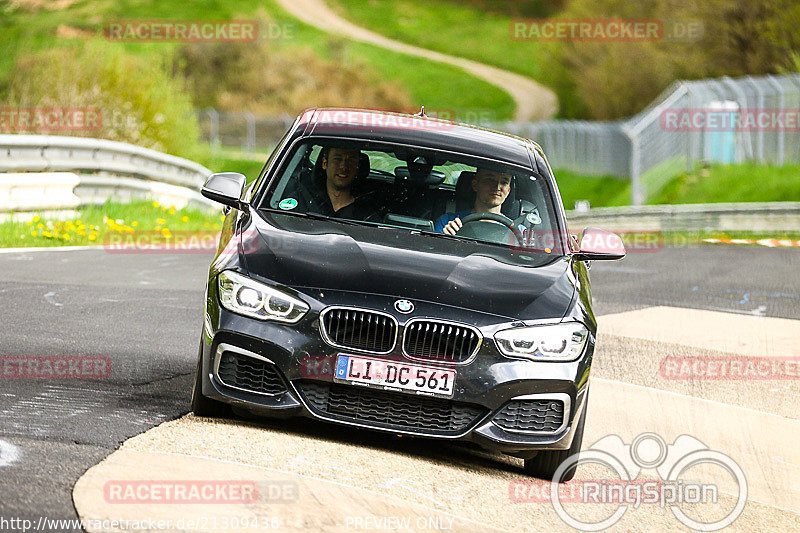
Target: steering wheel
(493, 217)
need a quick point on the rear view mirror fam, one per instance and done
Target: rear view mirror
(598, 245)
(225, 188)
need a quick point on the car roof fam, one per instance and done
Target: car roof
(417, 130)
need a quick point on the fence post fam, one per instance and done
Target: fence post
(637, 194)
(213, 117)
(760, 136)
(250, 143)
(781, 131)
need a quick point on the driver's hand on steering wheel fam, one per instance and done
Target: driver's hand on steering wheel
(452, 227)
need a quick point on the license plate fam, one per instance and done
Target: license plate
(394, 375)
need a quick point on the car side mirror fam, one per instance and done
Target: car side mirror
(225, 188)
(599, 245)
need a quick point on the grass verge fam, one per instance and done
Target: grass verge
(746, 182)
(108, 223)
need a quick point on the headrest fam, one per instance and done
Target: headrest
(363, 166)
(465, 196)
(432, 178)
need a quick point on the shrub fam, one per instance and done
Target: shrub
(269, 80)
(138, 100)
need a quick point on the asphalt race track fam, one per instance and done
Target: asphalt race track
(142, 313)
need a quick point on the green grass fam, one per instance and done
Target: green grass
(428, 82)
(449, 27)
(747, 182)
(601, 191)
(232, 160)
(98, 225)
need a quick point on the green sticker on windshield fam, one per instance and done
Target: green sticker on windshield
(288, 203)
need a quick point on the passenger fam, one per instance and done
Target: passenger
(334, 196)
(491, 190)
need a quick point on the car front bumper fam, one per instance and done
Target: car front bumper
(304, 361)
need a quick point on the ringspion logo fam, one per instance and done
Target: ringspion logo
(679, 487)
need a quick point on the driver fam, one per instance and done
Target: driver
(491, 190)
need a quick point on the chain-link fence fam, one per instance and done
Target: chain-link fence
(721, 120)
(243, 130)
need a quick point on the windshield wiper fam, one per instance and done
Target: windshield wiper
(315, 216)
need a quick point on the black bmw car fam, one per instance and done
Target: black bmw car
(407, 275)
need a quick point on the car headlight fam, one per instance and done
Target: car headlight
(249, 297)
(555, 342)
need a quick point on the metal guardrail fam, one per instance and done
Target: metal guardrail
(45, 172)
(50, 153)
(744, 217)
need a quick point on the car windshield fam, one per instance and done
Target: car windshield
(419, 189)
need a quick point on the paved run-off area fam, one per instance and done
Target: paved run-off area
(344, 480)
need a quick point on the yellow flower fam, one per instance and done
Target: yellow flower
(134, 223)
(222, 217)
(29, 223)
(184, 218)
(36, 218)
(157, 228)
(39, 226)
(171, 210)
(161, 221)
(156, 204)
(92, 237)
(166, 233)
(66, 237)
(34, 234)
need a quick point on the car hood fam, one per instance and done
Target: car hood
(302, 252)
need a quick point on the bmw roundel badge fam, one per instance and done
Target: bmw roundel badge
(404, 306)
